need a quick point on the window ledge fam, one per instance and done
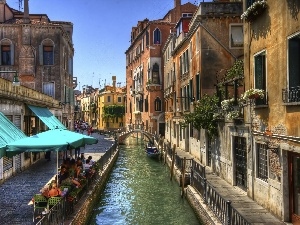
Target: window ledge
(292, 104)
(260, 106)
(261, 181)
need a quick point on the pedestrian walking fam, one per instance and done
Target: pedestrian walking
(77, 152)
(48, 155)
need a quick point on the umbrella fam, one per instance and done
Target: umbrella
(51, 140)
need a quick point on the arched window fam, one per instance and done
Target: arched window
(7, 52)
(156, 37)
(46, 52)
(157, 104)
(155, 74)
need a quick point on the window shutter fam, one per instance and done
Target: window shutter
(12, 54)
(0, 54)
(259, 72)
(72, 97)
(41, 54)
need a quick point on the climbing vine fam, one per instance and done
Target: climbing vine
(113, 111)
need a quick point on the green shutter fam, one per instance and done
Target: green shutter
(260, 72)
(41, 54)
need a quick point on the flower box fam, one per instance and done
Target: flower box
(254, 10)
(253, 94)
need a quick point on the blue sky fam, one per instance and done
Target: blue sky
(101, 31)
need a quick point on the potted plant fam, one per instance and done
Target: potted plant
(233, 115)
(253, 94)
(254, 10)
(227, 104)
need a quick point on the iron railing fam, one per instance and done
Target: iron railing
(291, 94)
(221, 207)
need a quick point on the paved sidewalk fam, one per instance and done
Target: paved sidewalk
(17, 191)
(251, 210)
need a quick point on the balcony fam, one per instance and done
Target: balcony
(291, 95)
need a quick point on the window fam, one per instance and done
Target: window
(198, 86)
(147, 38)
(236, 36)
(119, 99)
(187, 14)
(262, 161)
(250, 2)
(260, 75)
(157, 104)
(294, 62)
(46, 52)
(48, 89)
(47, 55)
(155, 74)
(7, 53)
(184, 62)
(146, 104)
(156, 38)
(108, 98)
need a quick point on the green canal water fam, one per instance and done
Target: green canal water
(139, 192)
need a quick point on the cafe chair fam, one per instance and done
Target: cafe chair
(56, 209)
(52, 201)
(39, 202)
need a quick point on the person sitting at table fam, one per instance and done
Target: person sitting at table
(66, 163)
(82, 157)
(54, 190)
(65, 179)
(91, 160)
(74, 171)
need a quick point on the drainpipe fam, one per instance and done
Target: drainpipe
(250, 116)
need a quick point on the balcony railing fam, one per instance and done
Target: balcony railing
(290, 95)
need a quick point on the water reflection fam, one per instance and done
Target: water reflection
(140, 192)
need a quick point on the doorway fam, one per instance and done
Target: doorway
(294, 184)
(240, 156)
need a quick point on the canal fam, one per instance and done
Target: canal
(139, 192)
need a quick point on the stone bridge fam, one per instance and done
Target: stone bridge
(122, 136)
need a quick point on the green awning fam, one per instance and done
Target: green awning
(51, 140)
(8, 133)
(47, 117)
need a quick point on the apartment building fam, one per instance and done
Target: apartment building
(111, 107)
(144, 69)
(273, 66)
(41, 52)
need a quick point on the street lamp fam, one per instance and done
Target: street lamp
(16, 81)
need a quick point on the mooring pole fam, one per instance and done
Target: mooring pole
(183, 177)
(173, 161)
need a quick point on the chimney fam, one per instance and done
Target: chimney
(26, 12)
(177, 3)
(114, 78)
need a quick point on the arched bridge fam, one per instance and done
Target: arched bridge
(122, 136)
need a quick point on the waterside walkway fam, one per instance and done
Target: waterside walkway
(17, 192)
(245, 206)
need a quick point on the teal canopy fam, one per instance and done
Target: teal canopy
(51, 140)
(8, 133)
(47, 117)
